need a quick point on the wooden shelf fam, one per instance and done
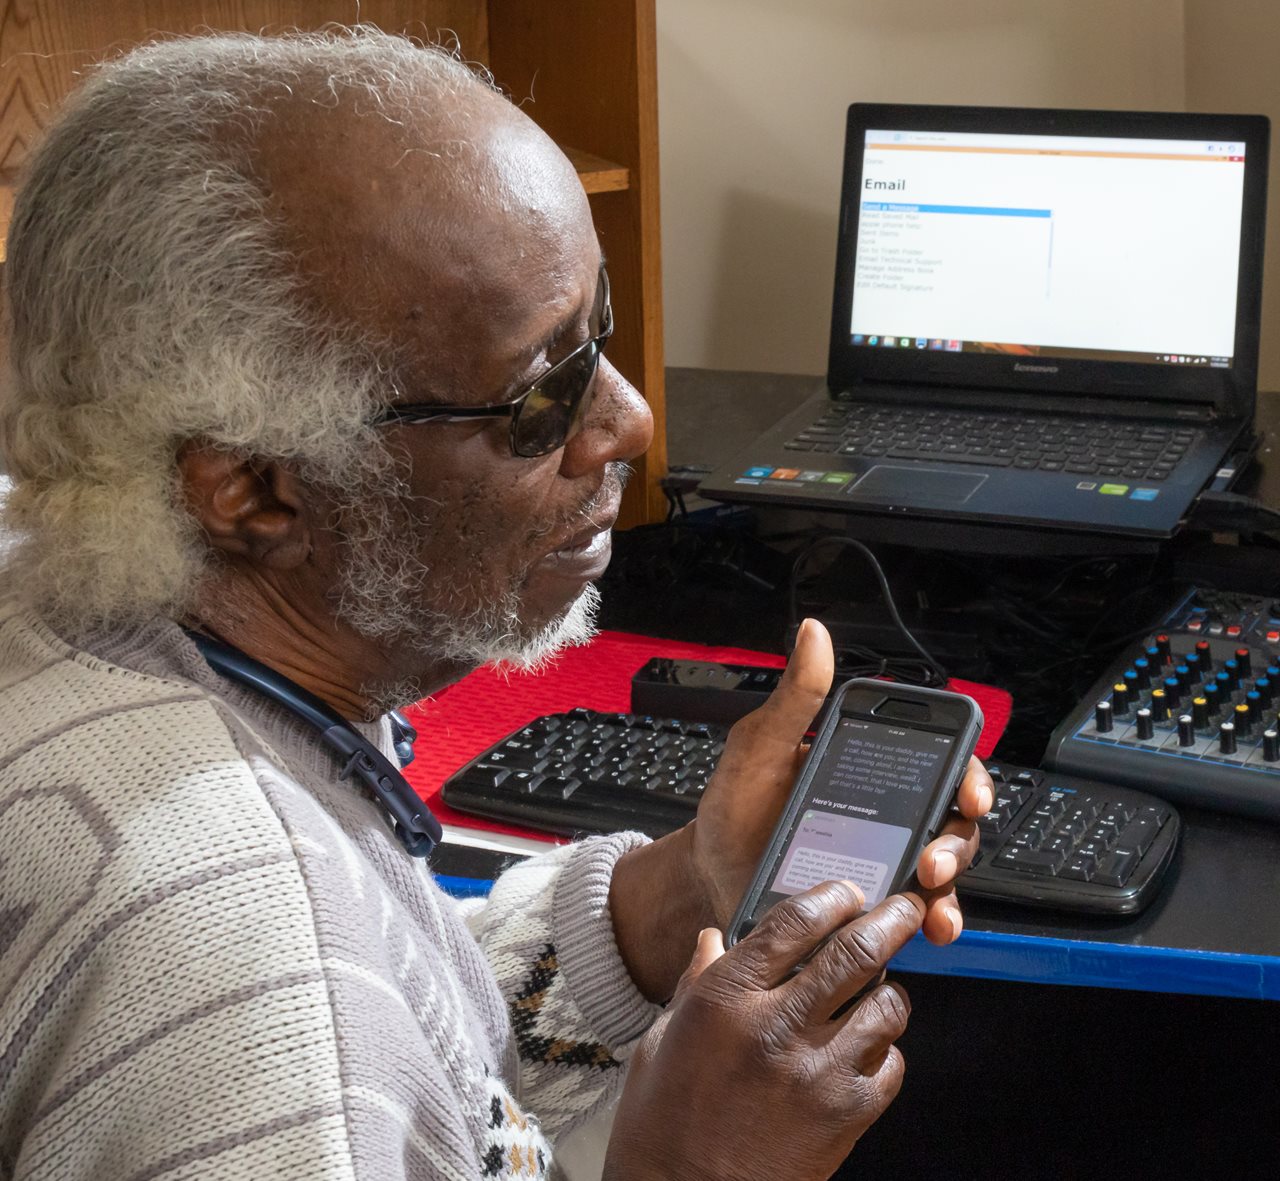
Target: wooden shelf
(597, 175)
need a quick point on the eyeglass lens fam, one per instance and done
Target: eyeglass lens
(554, 410)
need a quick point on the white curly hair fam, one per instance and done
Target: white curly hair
(151, 301)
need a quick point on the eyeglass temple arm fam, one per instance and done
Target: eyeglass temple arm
(416, 414)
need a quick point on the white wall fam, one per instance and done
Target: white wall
(752, 97)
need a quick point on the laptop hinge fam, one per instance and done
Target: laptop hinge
(987, 399)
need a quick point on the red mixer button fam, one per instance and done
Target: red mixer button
(1194, 625)
(1273, 637)
(1233, 630)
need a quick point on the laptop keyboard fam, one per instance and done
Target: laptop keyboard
(1051, 443)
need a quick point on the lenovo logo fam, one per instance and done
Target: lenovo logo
(1018, 367)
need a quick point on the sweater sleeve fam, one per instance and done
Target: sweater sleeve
(576, 1013)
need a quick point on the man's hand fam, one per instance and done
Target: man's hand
(754, 777)
(747, 1075)
(664, 893)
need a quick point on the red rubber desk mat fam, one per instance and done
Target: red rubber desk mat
(470, 716)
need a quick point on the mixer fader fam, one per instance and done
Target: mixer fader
(1191, 713)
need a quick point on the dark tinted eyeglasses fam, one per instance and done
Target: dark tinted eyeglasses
(547, 414)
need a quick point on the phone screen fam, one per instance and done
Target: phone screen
(862, 812)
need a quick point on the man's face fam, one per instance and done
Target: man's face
(476, 258)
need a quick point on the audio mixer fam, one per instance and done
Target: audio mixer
(1191, 713)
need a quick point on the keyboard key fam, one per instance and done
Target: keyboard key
(1139, 834)
(1039, 861)
(951, 456)
(563, 786)
(1116, 868)
(1080, 868)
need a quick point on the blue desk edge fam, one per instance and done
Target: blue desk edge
(1035, 959)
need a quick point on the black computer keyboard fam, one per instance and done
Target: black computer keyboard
(1050, 840)
(1137, 450)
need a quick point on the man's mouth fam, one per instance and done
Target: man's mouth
(584, 558)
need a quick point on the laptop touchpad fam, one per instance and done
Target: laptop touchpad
(917, 485)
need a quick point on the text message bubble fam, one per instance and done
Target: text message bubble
(827, 847)
(810, 867)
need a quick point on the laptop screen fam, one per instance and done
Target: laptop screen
(1067, 250)
(1047, 245)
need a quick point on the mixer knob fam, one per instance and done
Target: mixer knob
(1186, 730)
(1192, 661)
(1265, 688)
(1244, 658)
(1172, 691)
(1102, 721)
(1146, 728)
(1270, 746)
(1213, 698)
(1232, 671)
(1159, 704)
(1205, 651)
(1227, 738)
(1120, 698)
(1200, 712)
(1164, 648)
(1183, 675)
(1243, 720)
(1142, 671)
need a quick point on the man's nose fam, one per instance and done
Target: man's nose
(618, 426)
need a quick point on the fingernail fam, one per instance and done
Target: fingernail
(945, 866)
(957, 921)
(987, 799)
(862, 898)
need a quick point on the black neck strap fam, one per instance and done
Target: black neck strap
(411, 820)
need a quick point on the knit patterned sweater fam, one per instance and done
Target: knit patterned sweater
(217, 961)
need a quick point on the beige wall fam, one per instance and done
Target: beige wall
(752, 98)
(1233, 64)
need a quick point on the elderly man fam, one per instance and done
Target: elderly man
(306, 337)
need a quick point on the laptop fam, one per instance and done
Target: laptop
(1042, 318)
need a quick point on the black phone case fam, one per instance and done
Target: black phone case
(939, 803)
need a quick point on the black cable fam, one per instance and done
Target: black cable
(1229, 512)
(879, 665)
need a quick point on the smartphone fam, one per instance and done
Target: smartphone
(876, 788)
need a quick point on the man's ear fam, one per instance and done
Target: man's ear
(248, 508)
